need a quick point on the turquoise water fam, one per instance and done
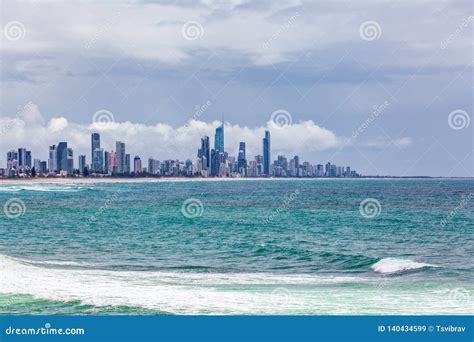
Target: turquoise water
(238, 247)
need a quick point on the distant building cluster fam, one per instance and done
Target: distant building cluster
(210, 162)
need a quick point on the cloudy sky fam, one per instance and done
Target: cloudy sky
(385, 87)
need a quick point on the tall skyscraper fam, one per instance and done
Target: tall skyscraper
(53, 158)
(70, 162)
(127, 164)
(22, 156)
(98, 160)
(95, 144)
(241, 159)
(120, 155)
(12, 160)
(266, 154)
(219, 139)
(137, 165)
(205, 152)
(28, 159)
(82, 163)
(62, 156)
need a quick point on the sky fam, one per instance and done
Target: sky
(383, 86)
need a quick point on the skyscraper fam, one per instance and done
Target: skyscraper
(28, 159)
(22, 156)
(127, 164)
(137, 165)
(219, 139)
(62, 156)
(95, 144)
(120, 155)
(70, 162)
(266, 154)
(98, 160)
(241, 159)
(53, 158)
(205, 152)
(82, 163)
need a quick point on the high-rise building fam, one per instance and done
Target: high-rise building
(219, 139)
(37, 165)
(120, 154)
(53, 159)
(70, 162)
(112, 162)
(82, 163)
(62, 157)
(137, 165)
(95, 144)
(28, 159)
(205, 154)
(106, 162)
(21, 157)
(43, 167)
(127, 164)
(266, 154)
(241, 160)
(12, 160)
(98, 160)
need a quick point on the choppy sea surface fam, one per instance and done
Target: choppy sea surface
(238, 247)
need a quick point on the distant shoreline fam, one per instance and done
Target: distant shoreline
(91, 180)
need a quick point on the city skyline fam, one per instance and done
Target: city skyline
(215, 162)
(288, 57)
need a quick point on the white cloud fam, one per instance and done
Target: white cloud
(161, 141)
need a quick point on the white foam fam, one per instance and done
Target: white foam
(204, 293)
(394, 265)
(42, 188)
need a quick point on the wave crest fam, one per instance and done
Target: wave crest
(394, 265)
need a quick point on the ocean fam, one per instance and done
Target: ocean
(240, 247)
